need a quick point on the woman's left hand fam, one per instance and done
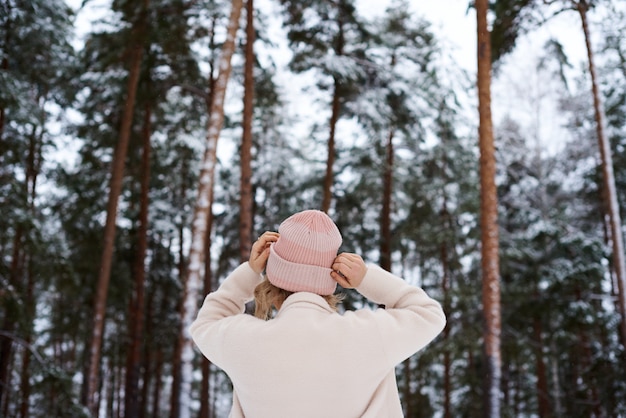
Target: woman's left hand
(348, 270)
(261, 250)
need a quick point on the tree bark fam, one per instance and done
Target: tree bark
(199, 226)
(205, 407)
(246, 199)
(488, 219)
(330, 161)
(177, 358)
(385, 216)
(608, 178)
(4, 65)
(136, 309)
(329, 179)
(90, 383)
(541, 385)
(445, 287)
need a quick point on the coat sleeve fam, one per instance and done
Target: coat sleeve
(220, 307)
(410, 320)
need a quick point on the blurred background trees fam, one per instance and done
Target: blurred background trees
(367, 118)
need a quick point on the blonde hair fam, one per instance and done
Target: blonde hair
(267, 296)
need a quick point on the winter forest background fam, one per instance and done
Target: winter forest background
(106, 141)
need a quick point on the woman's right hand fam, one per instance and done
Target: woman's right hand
(261, 250)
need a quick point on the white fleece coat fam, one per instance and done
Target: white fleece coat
(310, 361)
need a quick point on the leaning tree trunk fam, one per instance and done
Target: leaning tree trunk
(488, 219)
(609, 180)
(90, 383)
(245, 200)
(193, 283)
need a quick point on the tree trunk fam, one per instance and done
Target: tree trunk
(541, 385)
(330, 161)
(90, 383)
(245, 202)
(385, 216)
(4, 65)
(445, 286)
(488, 219)
(147, 360)
(334, 117)
(30, 309)
(177, 358)
(136, 310)
(9, 323)
(205, 408)
(406, 389)
(202, 208)
(608, 178)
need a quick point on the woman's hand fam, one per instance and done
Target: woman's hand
(348, 270)
(261, 250)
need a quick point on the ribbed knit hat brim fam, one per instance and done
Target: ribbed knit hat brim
(301, 259)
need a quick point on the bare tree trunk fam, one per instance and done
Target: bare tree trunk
(148, 359)
(385, 216)
(202, 208)
(4, 65)
(205, 408)
(406, 390)
(489, 219)
(177, 358)
(445, 286)
(543, 398)
(608, 177)
(136, 309)
(158, 378)
(90, 383)
(30, 309)
(9, 324)
(329, 179)
(330, 162)
(245, 202)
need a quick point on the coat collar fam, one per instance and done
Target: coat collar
(305, 300)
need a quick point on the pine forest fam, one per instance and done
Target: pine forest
(146, 144)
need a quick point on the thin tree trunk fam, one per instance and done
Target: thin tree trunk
(245, 200)
(334, 117)
(148, 359)
(5, 66)
(9, 323)
(385, 216)
(33, 168)
(541, 385)
(136, 309)
(205, 409)
(25, 377)
(488, 219)
(177, 358)
(608, 177)
(407, 395)
(445, 286)
(90, 383)
(330, 162)
(199, 227)
(158, 378)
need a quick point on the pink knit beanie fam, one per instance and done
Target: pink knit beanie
(301, 259)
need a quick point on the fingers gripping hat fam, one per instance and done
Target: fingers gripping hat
(301, 259)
